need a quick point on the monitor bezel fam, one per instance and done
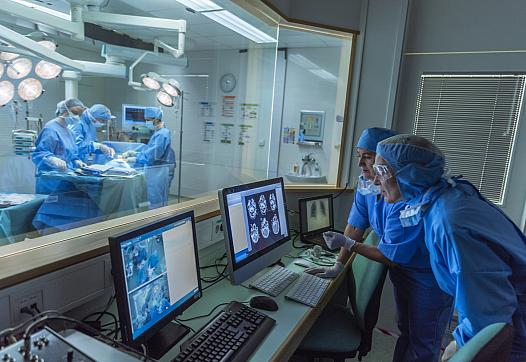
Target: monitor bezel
(120, 283)
(301, 209)
(226, 220)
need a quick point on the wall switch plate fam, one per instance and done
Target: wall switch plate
(26, 300)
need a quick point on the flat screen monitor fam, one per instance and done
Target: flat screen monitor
(316, 215)
(133, 118)
(255, 224)
(156, 274)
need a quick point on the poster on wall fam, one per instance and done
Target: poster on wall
(229, 106)
(264, 224)
(226, 132)
(245, 134)
(205, 109)
(208, 131)
(289, 135)
(249, 111)
(311, 125)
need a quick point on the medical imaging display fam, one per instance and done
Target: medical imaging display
(318, 214)
(263, 219)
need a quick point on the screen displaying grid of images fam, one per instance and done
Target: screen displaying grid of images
(263, 223)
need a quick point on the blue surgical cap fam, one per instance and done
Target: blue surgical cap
(153, 112)
(74, 102)
(371, 136)
(61, 108)
(100, 111)
(418, 163)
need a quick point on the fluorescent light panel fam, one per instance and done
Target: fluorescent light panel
(43, 9)
(226, 18)
(200, 5)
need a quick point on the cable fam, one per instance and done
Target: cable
(342, 191)
(213, 283)
(184, 325)
(204, 315)
(10, 331)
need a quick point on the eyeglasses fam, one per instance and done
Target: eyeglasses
(382, 172)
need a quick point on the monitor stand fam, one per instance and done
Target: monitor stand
(278, 262)
(166, 338)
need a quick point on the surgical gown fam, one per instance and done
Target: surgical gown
(85, 135)
(158, 159)
(423, 310)
(478, 255)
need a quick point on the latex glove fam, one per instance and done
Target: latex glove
(131, 159)
(337, 240)
(58, 163)
(450, 350)
(326, 272)
(79, 163)
(108, 151)
(129, 153)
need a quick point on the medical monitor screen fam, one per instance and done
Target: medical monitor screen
(133, 117)
(256, 219)
(316, 214)
(156, 273)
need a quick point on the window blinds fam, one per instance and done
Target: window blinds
(473, 120)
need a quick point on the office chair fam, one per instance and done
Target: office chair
(342, 331)
(493, 343)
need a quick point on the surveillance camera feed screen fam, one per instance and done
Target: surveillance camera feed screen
(317, 214)
(160, 273)
(257, 219)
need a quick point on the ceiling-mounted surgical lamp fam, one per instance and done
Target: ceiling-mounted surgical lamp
(165, 99)
(19, 68)
(150, 81)
(172, 87)
(7, 91)
(30, 89)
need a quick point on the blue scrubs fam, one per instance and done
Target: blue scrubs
(423, 309)
(478, 255)
(158, 158)
(85, 134)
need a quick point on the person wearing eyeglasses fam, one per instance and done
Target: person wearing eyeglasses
(477, 253)
(423, 309)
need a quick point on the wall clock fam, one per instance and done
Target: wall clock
(227, 82)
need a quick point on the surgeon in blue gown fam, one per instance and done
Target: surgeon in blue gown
(85, 132)
(55, 154)
(423, 309)
(158, 159)
(477, 253)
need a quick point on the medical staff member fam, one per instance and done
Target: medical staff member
(55, 146)
(85, 131)
(158, 159)
(477, 253)
(423, 310)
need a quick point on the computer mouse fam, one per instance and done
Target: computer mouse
(263, 302)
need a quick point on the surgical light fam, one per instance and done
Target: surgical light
(151, 83)
(165, 99)
(172, 88)
(48, 44)
(1, 69)
(8, 56)
(19, 68)
(30, 89)
(47, 70)
(200, 5)
(7, 91)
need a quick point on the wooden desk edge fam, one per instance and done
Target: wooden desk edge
(289, 346)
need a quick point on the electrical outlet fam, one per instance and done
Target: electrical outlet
(26, 301)
(217, 230)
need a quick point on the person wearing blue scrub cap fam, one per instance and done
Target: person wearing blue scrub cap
(85, 131)
(423, 309)
(158, 159)
(477, 253)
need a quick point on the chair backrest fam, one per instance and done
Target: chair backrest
(493, 343)
(365, 283)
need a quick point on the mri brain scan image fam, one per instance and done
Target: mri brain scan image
(262, 204)
(265, 228)
(272, 202)
(275, 224)
(254, 233)
(252, 209)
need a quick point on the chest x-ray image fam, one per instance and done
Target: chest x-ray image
(318, 214)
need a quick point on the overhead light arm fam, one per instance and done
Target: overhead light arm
(176, 52)
(132, 67)
(98, 17)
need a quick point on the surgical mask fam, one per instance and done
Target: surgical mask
(367, 187)
(411, 215)
(71, 120)
(98, 124)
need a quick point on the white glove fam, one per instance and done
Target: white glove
(58, 163)
(450, 350)
(104, 149)
(337, 240)
(131, 159)
(129, 154)
(79, 163)
(330, 272)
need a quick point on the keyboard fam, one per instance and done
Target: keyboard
(275, 280)
(308, 290)
(232, 335)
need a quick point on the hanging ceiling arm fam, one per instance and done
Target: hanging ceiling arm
(132, 67)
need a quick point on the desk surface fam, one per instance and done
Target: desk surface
(293, 320)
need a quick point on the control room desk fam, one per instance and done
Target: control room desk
(293, 320)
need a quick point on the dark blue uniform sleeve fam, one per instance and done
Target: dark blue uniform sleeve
(359, 214)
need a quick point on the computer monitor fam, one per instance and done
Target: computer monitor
(316, 215)
(255, 224)
(133, 118)
(156, 274)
